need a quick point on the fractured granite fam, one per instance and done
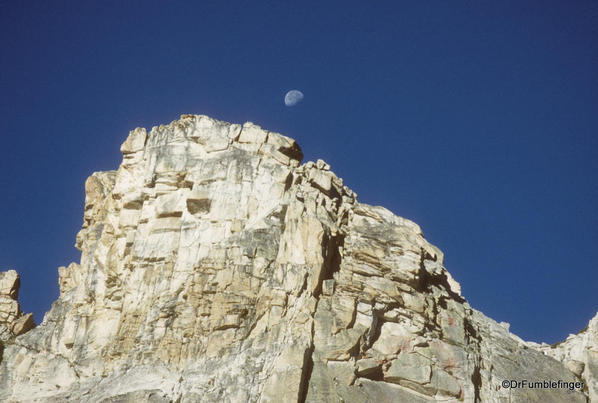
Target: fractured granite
(217, 267)
(13, 322)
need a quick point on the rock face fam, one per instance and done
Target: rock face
(215, 267)
(579, 353)
(12, 320)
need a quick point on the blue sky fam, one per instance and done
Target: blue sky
(477, 120)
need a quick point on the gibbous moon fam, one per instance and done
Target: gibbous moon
(293, 97)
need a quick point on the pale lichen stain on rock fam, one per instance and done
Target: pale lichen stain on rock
(216, 267)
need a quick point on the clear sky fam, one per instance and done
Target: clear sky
(476, 119)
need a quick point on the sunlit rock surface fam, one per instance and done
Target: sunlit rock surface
(13, 321)
(217, 268)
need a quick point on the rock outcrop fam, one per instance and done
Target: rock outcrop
(13, 321)
(215, 267)
(579, 353)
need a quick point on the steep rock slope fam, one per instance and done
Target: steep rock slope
(215, 267)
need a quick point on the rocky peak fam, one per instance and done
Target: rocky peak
(215, 267)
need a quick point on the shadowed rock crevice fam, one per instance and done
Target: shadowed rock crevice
(198, 206)
(308, 365)
(373, 332)
(476, 379)
(441, 280)
(332, 255)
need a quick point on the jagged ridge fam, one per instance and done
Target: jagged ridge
(215, 267)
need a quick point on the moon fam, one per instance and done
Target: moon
(293, 97)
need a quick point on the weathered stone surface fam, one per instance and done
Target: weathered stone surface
(13, 321)
(580, 354)
(411, 367)
(215, 267)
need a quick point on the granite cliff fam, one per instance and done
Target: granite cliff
(215, 267)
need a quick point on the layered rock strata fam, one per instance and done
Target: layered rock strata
(217, 268)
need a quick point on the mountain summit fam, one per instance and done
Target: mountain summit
(215, 267)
